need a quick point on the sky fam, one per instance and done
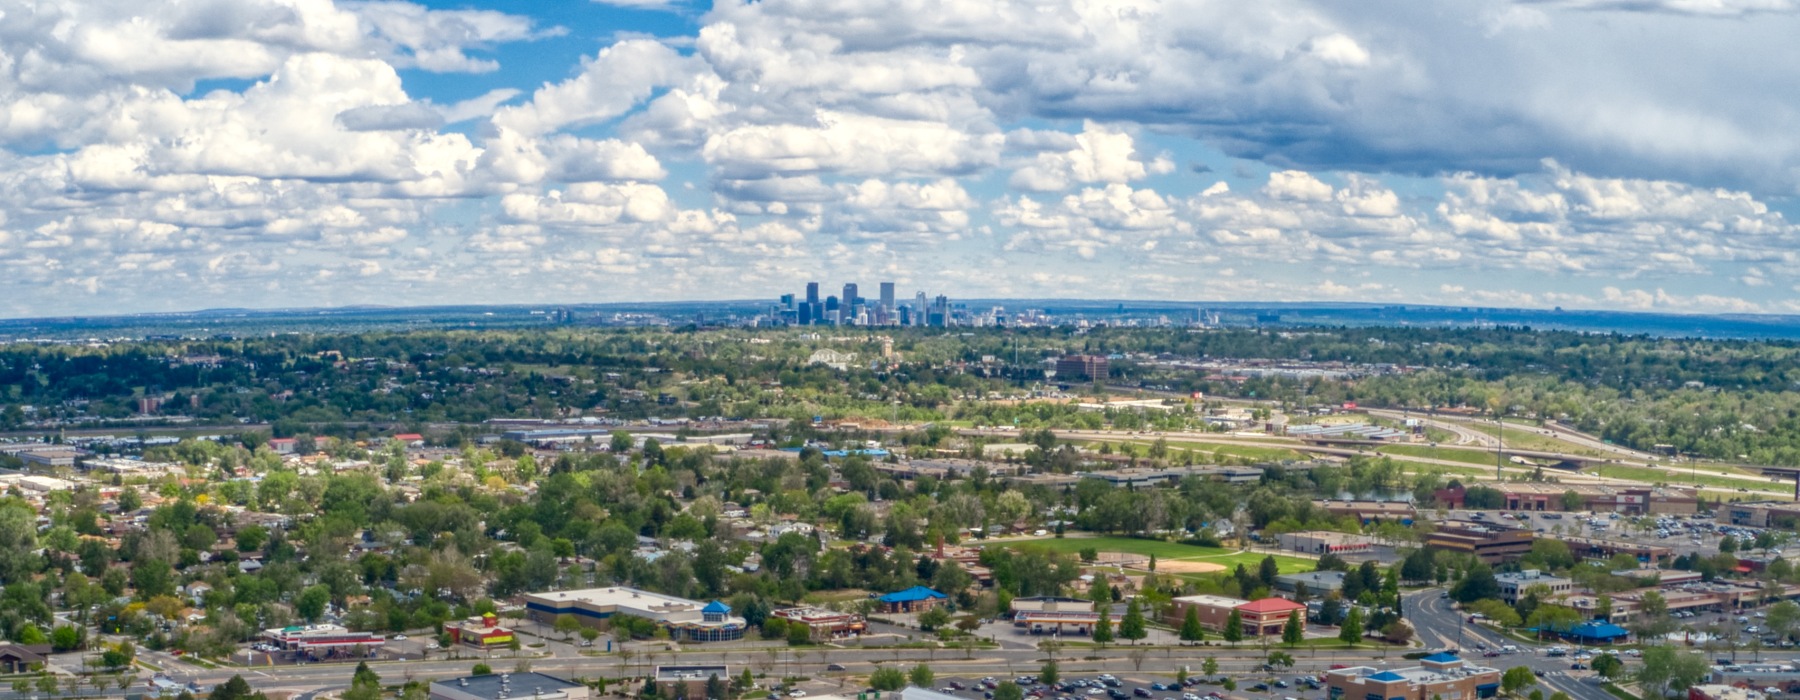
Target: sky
(165, 155)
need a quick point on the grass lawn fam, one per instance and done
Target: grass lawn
(1529, 439)
(1261, 452)
(1484, 473)
(1683, 477)
(1166, 551)
(1448, 454)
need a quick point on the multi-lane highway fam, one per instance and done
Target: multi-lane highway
(1437, 623)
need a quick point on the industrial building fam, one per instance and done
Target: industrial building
(1326, 542)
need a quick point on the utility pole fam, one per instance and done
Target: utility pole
(1500, 448)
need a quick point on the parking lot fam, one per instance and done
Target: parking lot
(1142, 686)
(1682, 534)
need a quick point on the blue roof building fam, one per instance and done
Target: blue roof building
(915, 599)
(1597, 632)
(1590, 632)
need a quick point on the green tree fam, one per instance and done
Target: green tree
(235, 688)
(934, 618)
(1132, 626)
(1281, 658)
(365, 684)
(715, 687)
(885, 678)
(480, 670)
(67, 638)
(1008, 690)
(1267, 570)
(312, 601)
(1103, 631)
(1351, 631)
(1784, 618)
(1608, 666)
(1492, 609)
(566, 625)
(1234, 627)
(1210, 666)
(921, 676)
(1477, 584)
(1668, 669)
(1050, 673)
(1291, 633)
(1191, 631)
(799, 635)
(1517, 679)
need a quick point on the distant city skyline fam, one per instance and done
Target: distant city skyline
(158, 156)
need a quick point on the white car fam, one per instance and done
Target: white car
(797, 694)
(399, 637)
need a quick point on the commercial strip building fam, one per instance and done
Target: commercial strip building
(1713, 691)
(1490, 543)
(322, 638)
(686, 620)
(1599, 498)
(509, 686)
(1513, 584)
(1440, 676)
(824, 624)
(689, 681)
(1054, 615)
(1263, 617)
(1776, 514)
(1595, 548)
(1371, 511)
(1759, 676)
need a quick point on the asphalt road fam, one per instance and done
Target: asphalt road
(1440, 625)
